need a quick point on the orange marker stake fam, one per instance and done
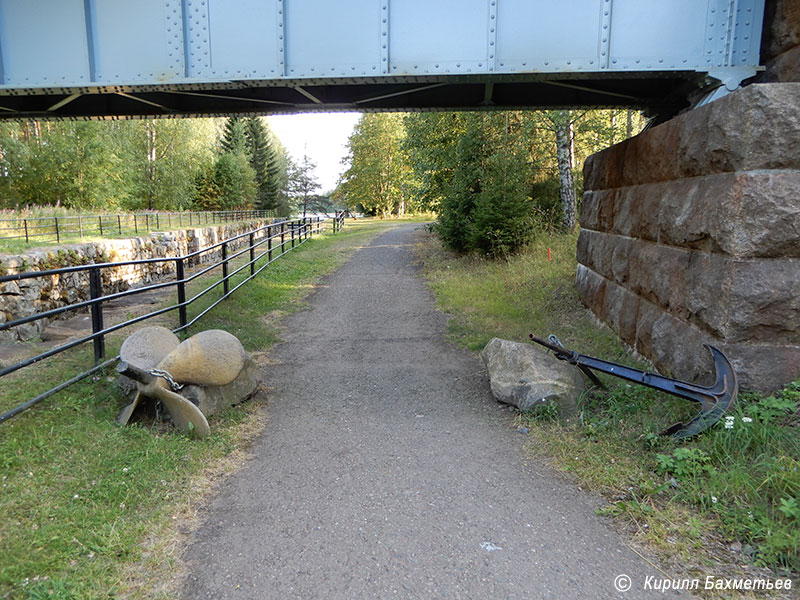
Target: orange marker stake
(548, 255)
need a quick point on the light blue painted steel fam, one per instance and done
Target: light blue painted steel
(90, 21)
(2, 38)
(44, 43)
(78, 44)
(252, 49)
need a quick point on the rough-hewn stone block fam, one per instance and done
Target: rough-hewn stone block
(723, 136)
(781, 27)
(750, 214)
(783, 68)
(622, 310)
(592, 289)
(658, 274)
(729, 134)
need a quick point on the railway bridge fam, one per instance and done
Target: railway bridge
(690, 231)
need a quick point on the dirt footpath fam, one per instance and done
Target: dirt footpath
(387, 470)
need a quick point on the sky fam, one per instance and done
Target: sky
(320, 135)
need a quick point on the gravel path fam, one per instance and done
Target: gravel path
(388, 471)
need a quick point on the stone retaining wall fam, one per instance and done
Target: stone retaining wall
(32, 296)
(691, 234)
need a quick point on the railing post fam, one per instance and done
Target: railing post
(179, 274)
(25, 222)
(96, 291)
(252, 254)
(269, 243)
(225, 267)
(58, 237)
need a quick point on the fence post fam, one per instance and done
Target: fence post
(225, 267)
(147, 221)
(179, 274)
(58, 237)
(252, 254)
(158, 220)
(291, 229)
(190, 218)
(269, 243)
(283, 236)
(96, 291)
(119, 224)
(25, 222)
(80, 226)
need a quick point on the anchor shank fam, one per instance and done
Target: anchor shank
(651, 380)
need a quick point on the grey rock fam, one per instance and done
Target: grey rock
(525, 376)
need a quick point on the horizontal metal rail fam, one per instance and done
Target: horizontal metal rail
(281, 238)
(78, 226)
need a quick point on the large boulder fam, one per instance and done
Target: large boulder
(524, 376)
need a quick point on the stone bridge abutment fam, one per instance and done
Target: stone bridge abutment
(691, 230)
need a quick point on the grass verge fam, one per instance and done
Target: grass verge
(89, 509)
(725, 502)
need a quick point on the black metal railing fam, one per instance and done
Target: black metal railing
(56, 228)
(338, 221)
(258, 249)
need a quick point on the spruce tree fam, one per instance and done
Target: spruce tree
(234, 136)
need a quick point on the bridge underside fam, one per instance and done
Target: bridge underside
(661, 95)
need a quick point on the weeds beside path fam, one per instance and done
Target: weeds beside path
(724, 503)
(89, 509)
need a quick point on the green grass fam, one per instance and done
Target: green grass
(736, 486)
(89, 509)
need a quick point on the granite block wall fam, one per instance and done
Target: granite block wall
(690, 234)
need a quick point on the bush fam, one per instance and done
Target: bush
(486, 207)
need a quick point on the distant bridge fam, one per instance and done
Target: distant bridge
(122, 58)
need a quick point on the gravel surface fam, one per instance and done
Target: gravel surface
(388, 471)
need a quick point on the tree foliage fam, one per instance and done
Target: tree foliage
(376, 176)
(493, 177)
(146, 164)
(301, 182)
